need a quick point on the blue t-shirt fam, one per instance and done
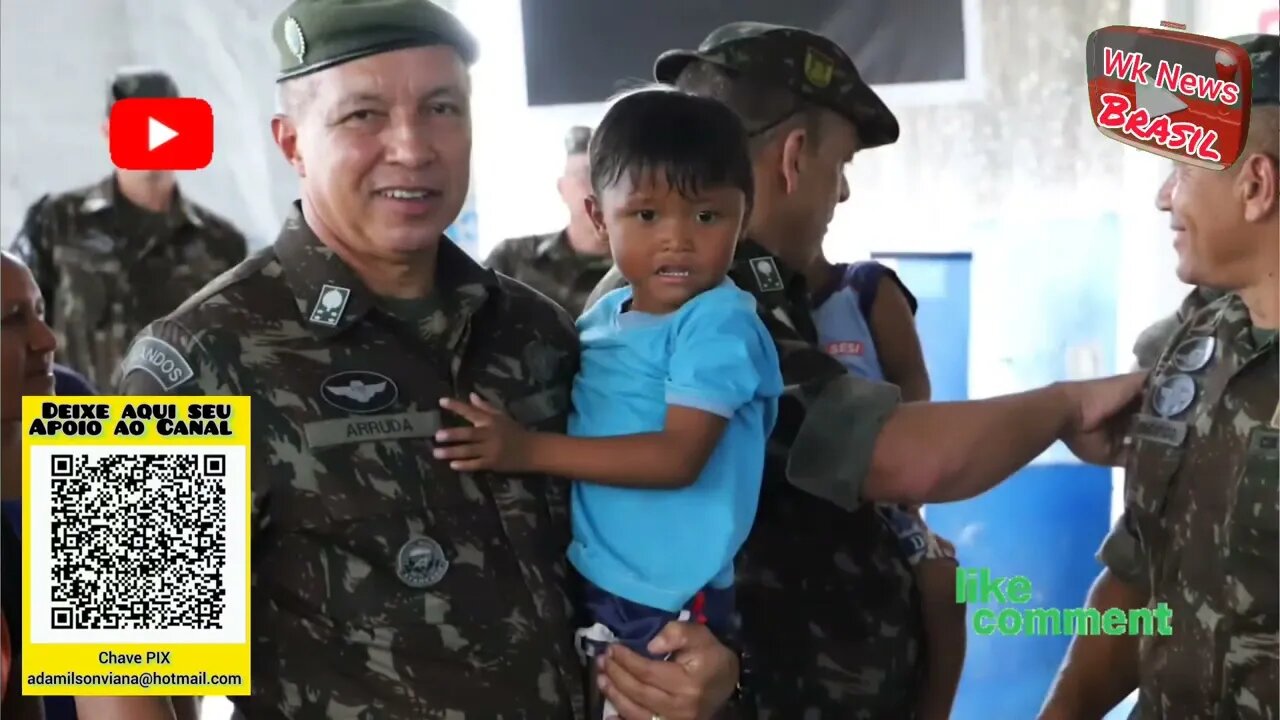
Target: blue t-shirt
(660, 547)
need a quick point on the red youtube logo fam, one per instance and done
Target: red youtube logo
(161, 134)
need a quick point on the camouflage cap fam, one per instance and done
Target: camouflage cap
(806, 63)
(140, 82)
(577, 140)
(313, 35)
(1264, 61)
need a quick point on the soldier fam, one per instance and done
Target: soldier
(122, 252)
(565, 266)
(830, 614)
(1199, 527)
(387, 585)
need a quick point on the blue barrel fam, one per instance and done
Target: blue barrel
(1044, 523)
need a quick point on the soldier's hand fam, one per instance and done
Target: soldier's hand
(1103, 409)
(694, 685)
(493, 442)
(1098, 401)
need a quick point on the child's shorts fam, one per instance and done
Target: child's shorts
(915, 538)
(634, 625)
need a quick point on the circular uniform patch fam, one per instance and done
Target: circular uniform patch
(421, 563)
(1193, 354)
(1173, 395)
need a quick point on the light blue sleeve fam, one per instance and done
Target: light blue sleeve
(721, 359)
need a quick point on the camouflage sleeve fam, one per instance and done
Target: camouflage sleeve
(32, 248)
(611, 281)
(168, 359)
(1121, 552)
(831, 453)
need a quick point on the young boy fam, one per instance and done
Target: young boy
(865, 317)
(679, 380)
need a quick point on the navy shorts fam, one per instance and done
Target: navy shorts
(635, 625)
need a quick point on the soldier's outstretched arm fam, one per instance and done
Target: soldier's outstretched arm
(856, 443)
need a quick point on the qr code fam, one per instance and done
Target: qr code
(138, 543)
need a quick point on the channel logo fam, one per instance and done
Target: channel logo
(161, 134)
(1174, 94)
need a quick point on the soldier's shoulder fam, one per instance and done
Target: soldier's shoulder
(508, 253)
(63, 203)
(241, 297)
(528, 306)
(216, 226)
(524, 245)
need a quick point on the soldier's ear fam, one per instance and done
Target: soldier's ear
(106, 129)
(286, 137)
(794, 147)
(596, 214)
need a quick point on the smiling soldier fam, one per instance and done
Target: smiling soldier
(385, 584)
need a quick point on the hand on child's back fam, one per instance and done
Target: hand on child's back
(493, 442)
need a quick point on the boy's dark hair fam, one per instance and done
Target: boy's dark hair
(697, 142)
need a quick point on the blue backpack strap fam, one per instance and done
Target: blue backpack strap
(864, 277)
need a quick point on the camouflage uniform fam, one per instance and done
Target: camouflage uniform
(1154, 339)
(1202, 500)
(1199, 528)
(549, 264)
(386, 585)
(107, 267)
(831, 614)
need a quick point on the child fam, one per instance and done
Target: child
(865, 317)
(679, 380)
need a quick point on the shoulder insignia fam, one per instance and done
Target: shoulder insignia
(767, 276)
(158, 359)
(330, 303)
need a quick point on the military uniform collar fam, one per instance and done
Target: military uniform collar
(105, 194)
(331, 297)
(762, 273)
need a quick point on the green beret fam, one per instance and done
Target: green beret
(313, 35)
(806, 63)
(1264, 64)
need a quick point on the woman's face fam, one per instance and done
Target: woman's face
(27, 344)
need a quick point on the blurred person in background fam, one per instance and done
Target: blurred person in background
(566, 265)
(115, 255)
(1202, 482)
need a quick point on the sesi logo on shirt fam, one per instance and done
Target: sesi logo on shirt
(161, 134)
(844, 349)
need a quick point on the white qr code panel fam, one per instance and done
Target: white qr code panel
(135, 544)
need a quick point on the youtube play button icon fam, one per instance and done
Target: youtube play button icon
(161, 134)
